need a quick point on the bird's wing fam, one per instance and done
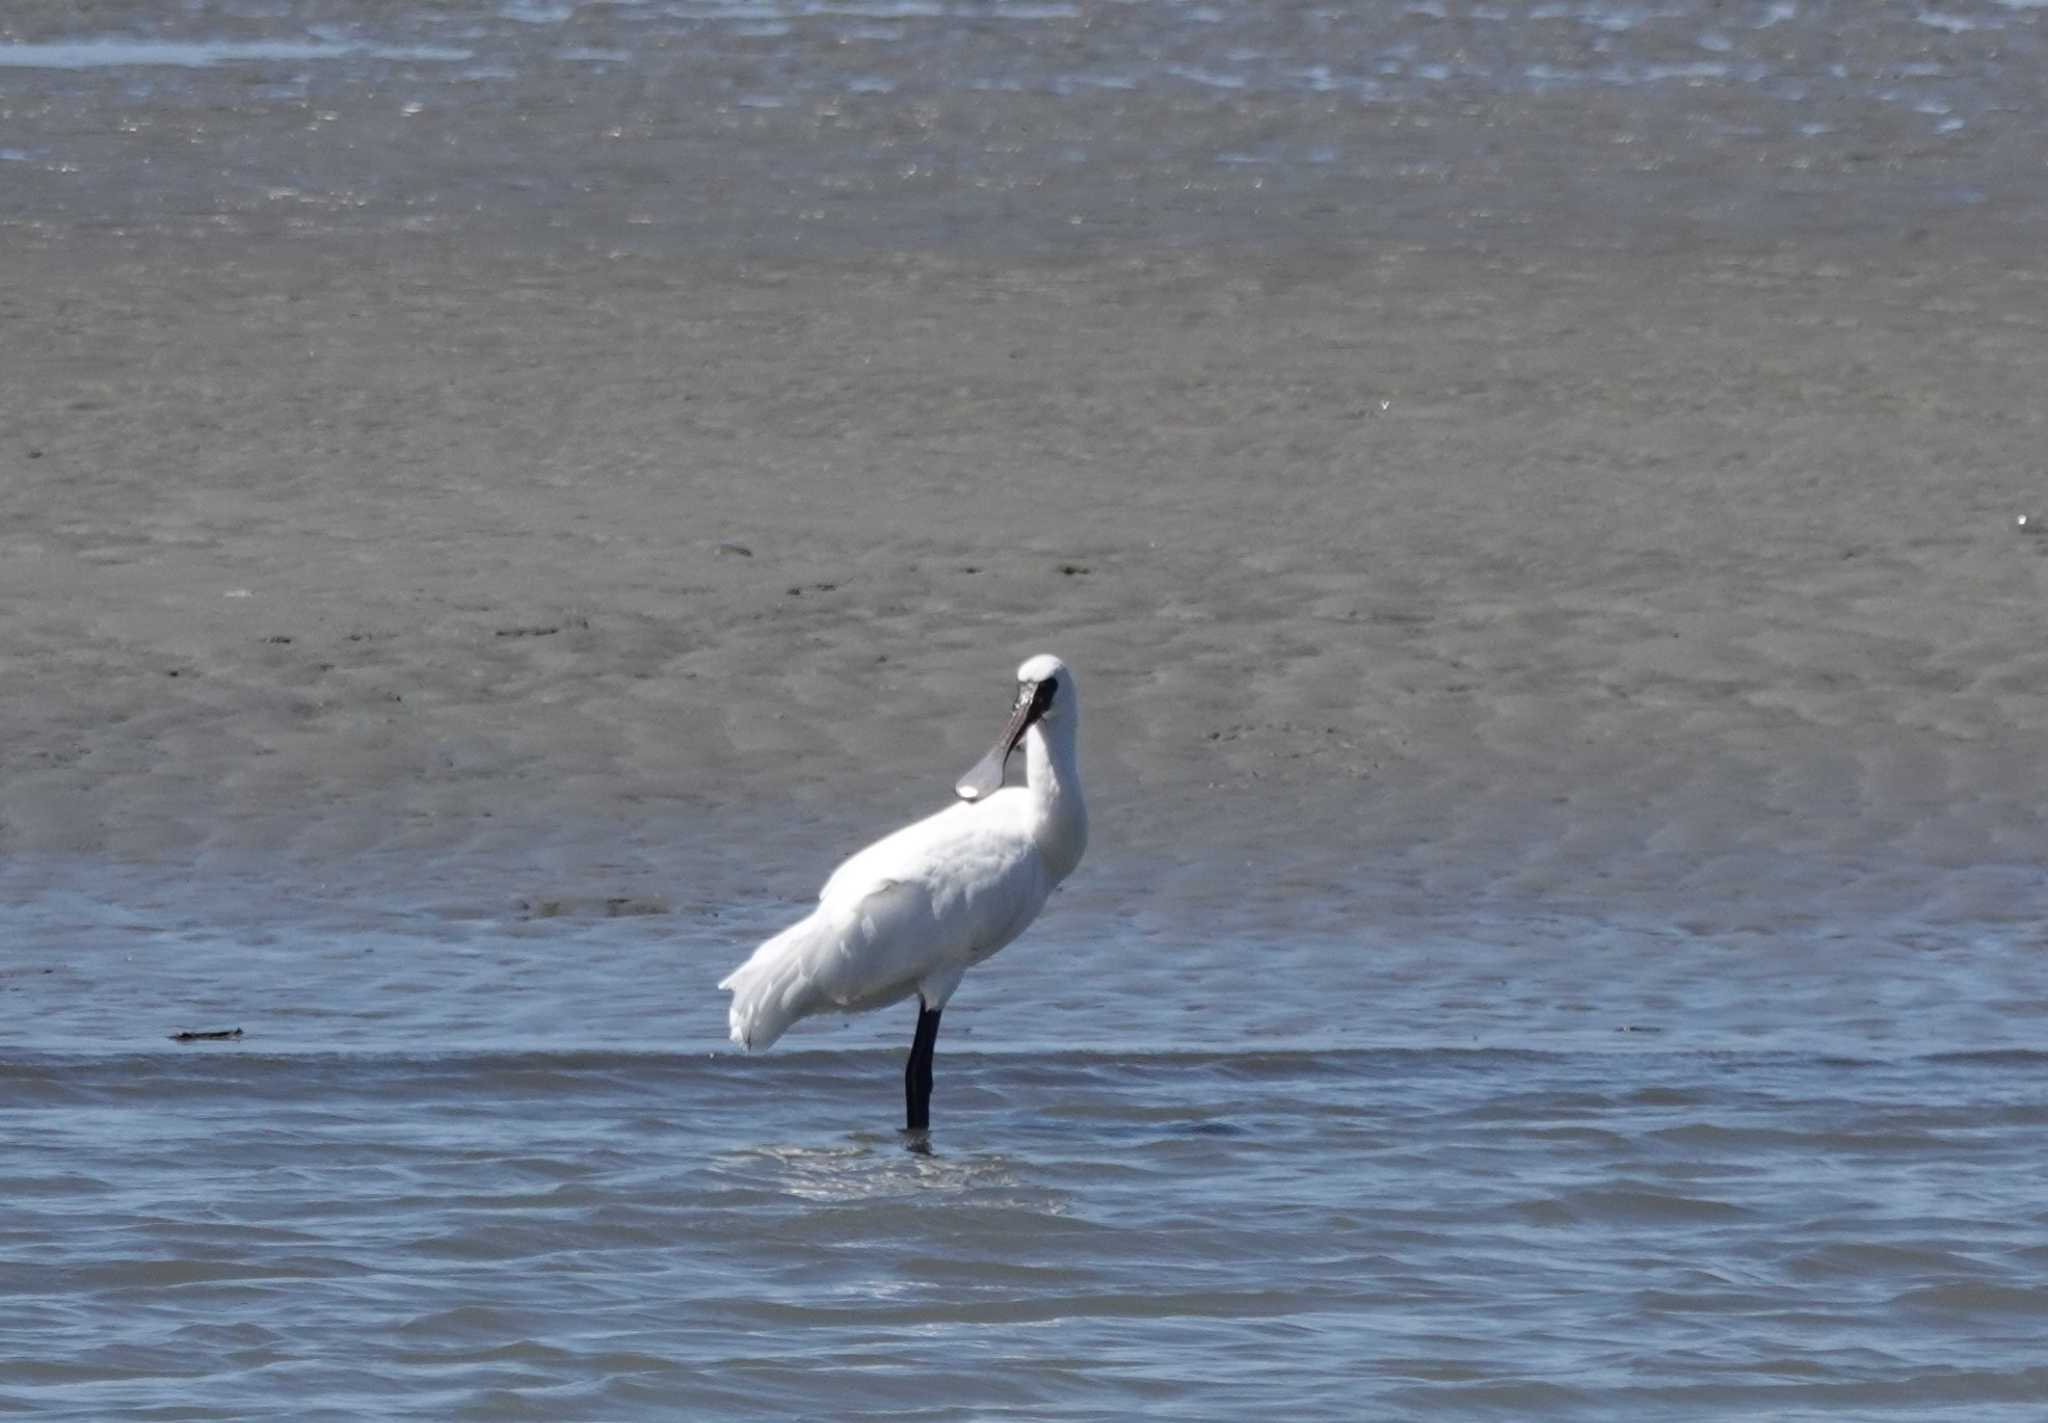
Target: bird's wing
(851, 953)
(907, 854)
(882, 942)
(943, 892)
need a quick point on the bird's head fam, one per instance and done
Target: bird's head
(1045, 693)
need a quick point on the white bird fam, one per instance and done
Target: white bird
(915, 910)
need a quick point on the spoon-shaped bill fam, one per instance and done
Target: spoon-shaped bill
(987, 776)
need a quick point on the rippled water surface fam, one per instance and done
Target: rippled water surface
(822, 124)
(493, 1167)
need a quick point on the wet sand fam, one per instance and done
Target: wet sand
(1681, 580)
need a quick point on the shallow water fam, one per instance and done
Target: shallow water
(797, 126)
(504, 1167)
(592, 1234)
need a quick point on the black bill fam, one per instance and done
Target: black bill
(987, 776)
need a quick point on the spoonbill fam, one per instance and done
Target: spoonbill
(915, 910)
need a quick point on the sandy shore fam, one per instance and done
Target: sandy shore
(1684, 584)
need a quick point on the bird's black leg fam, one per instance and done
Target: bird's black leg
(917, 1073)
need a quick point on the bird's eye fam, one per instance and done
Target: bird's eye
(1052, 687)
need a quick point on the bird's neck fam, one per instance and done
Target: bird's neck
(1052, 776)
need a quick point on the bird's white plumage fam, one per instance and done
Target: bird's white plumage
(915, 910)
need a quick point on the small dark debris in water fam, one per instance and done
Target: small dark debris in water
(1636, 1028)
(215, 1035)
(617, 906)
(280, 639)
(174, 672)
(970, 568)
(1073, 569)
(824, 587)
(736, 550)
(796, 592)
(35, 454)
(540, 630)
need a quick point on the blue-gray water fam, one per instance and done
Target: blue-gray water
(808, 126)
(504, 1167)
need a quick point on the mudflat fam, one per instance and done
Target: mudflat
(1681, 580)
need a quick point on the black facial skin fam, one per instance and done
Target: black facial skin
(987, 776)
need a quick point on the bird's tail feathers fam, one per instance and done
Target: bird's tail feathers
(775, 987)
